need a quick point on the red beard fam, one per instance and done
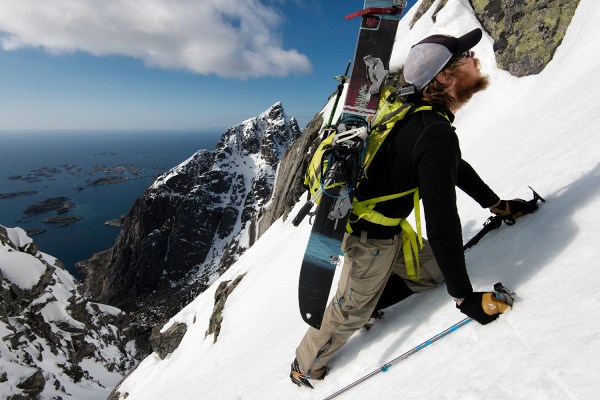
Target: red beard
(467, 85)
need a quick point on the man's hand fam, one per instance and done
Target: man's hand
(484, 307)
(513, 209)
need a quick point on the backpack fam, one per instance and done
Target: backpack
(359, 147)
(390, 110)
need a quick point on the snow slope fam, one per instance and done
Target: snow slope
(540, 131)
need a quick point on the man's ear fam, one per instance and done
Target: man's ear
(444, 78)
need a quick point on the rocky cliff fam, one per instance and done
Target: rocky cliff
(193, 222)
(526, 33)
(56, 343)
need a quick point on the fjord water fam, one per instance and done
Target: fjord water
(75, 158)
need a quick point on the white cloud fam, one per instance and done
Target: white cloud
(229, 38)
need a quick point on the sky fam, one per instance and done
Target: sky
(540, 131)
(168, 64)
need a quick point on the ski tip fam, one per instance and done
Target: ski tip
(393, 10)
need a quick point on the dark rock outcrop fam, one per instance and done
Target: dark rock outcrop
(424, 7)
(164, 343)
(526, 33)
(223, 291)
(33, 385)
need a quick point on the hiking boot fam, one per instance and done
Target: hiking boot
(374, 317)
(298, 377)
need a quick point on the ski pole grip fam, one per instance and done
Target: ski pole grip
(302, 213)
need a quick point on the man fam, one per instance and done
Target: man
(422, 151)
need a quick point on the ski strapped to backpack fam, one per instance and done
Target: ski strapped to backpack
(352, 159)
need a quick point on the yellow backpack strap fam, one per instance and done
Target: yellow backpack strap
(411, 241)
(409, 247)
(429, 108)
(365, 209)
(312, 179)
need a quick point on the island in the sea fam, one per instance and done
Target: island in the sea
(62, 221)
(34, 231)
(17, 194)
(106, 180)
(59, 205)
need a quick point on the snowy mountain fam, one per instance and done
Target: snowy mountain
(538, 130)
(56, 343)
(192, 223)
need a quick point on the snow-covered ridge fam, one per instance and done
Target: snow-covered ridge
(55, 343)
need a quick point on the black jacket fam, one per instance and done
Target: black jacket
(423, 151)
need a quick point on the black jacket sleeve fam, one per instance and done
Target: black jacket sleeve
(437, 159)
(469, 182)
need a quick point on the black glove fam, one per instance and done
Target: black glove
(512, 209)
(484, 307)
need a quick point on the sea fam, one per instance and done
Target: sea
(97, 174)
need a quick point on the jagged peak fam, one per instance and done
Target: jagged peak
(273, 112)
(249, 135)
(275, 107)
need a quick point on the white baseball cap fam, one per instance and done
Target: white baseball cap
(428, 57)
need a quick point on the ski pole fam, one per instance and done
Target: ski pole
(340, 89)
(396, 360)
(499, 288)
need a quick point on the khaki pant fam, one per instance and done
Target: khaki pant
(368, 263)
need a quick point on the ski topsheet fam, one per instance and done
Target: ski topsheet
(371, 59)
(371, 64)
